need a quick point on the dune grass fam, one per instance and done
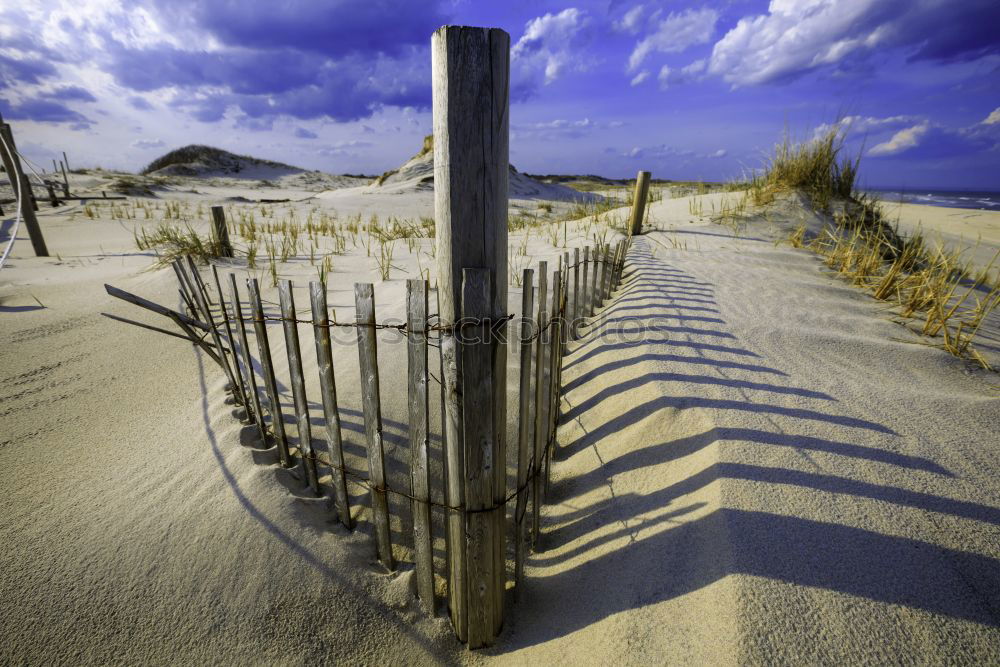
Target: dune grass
(816, 167)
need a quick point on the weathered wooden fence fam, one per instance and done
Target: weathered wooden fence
(217, 321)
(483, 518)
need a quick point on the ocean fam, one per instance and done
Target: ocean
(988, 201)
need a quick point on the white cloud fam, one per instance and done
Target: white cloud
(546, 42)
(146, 144)
(797, 36)
(865, 124)
(674, 34)
(722, 152)
(640, 77)
(993, 118)
(901, 141)
(631, 22)
(669, 76)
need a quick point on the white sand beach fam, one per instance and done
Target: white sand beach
(755, 464)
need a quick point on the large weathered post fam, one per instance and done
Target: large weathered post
(470, 76)
(220, 232)
(639, 203)
(19, 184)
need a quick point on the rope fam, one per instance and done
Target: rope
(17, 220)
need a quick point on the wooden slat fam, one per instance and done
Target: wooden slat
(416, 346)
(480, 455)
(307, 458)
(575, 302)
(540, 399)
(364, 300)
(592, 304)
(583, 307)
(196, 274)
(154, 307)
(525, 442)
(251, 379)
(223, 308)
(554, 347)
(207, 312)
(150, 327)
(267, 366)
(331, 414)
(454, 460)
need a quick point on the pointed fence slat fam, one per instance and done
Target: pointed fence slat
(267, 366)
(328, 388)
(307, 459)
(416, 346)
(364, 300)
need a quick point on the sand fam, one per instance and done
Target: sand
(763, 467)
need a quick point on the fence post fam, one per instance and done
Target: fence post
(266, 364)
(524, 440)
(8, 153)
(470, 74)
(592, 301)
(241, 327)
(65, 179)
(241, 387)
(301, 403)
(538, 430)
(221, 232)
(574, 311)
(416, 345)
(214, 330)
(639, 203)
(364, 299)
(328, 388)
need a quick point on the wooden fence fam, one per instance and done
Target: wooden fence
(555, 312)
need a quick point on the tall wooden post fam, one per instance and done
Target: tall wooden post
(8, 153)
(639, 203)
(470, 77)
(221, 232)
(65, 179)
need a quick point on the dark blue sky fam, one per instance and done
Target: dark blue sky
(686, 89)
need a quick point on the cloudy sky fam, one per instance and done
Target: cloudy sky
(687, 90)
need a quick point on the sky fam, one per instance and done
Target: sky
(687, 90)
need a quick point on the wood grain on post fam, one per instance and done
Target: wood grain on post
(251, 380)
(470, 77)
(364, 301)
(307, 458)
(420, 485)
(454, 466)
(480, 455)
(639, 203)
(331, 414)
(267, 366)
(525, 443)
(25, 203)
(540, 398)
(221, 231)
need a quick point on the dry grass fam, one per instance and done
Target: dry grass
(935, 285)
(815, 166)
